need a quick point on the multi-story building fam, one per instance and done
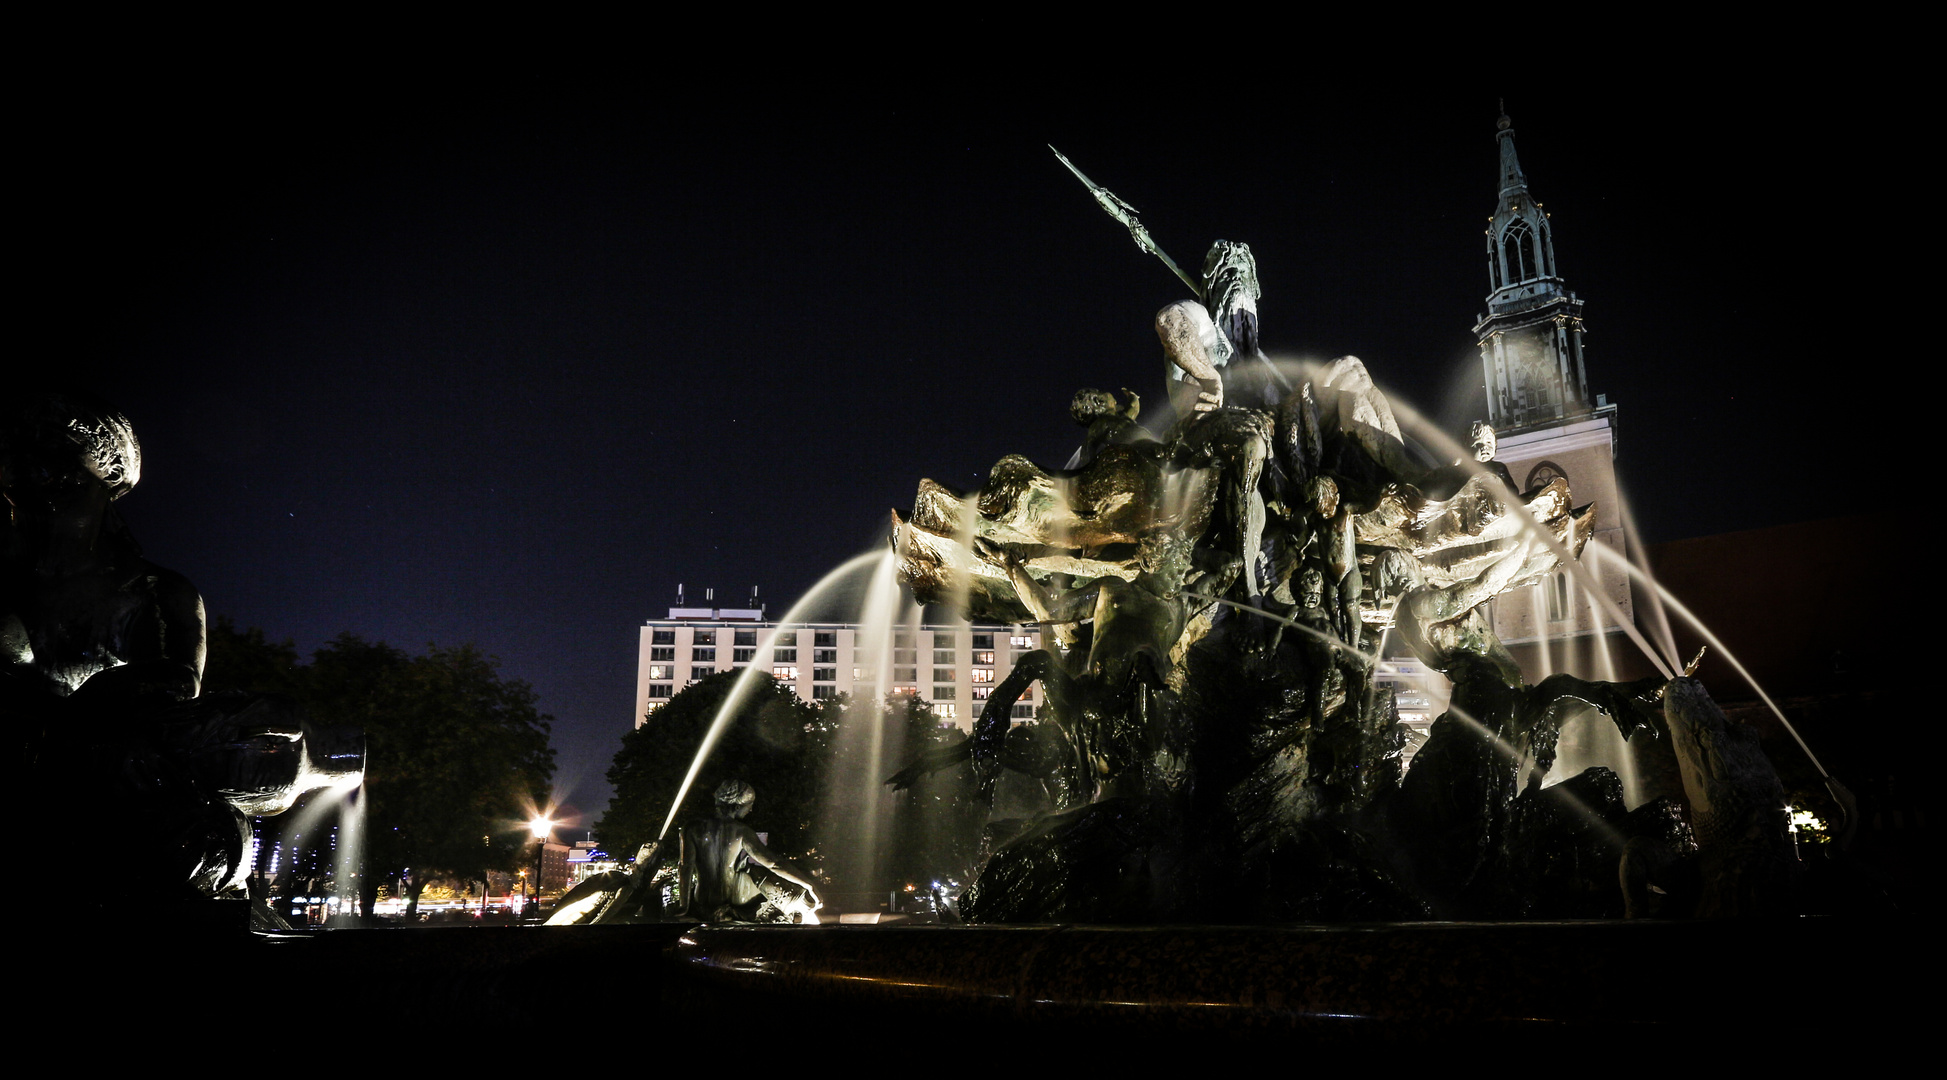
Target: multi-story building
(955, 668)
(588, 859)
(555, 872)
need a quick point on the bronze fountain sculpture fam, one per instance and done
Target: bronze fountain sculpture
(720, 872)
(103, 657)
(1214, 742)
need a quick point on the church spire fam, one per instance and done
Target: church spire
(1531, 336)
(1511, 180)
(1521, 246)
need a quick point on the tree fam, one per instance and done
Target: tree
(456, 758)
(766, 746)
(937, 821)
(875, 840)
(248, 662)
(817, 783)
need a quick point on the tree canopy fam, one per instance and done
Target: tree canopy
(457, 757)
(769, 745)
(815, 781)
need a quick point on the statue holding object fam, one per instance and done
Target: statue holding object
(1214, 597)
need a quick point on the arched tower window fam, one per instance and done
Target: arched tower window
(1517, 251)
(1544, 474)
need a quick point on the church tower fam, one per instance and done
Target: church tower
(1547, 426)
(1531, 336)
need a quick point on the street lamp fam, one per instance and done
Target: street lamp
(541, 826)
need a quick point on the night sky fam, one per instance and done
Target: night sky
(502, 359)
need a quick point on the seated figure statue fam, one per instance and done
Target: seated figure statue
(101, 666)
(87, 620)
(729, 875)
(722, 872)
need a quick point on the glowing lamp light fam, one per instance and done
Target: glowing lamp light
(541, 826)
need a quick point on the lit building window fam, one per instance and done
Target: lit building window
(704, 637)
(1022, 641)
(945, 712)
(983, 675)
(785, 674)
(983, 658)
(982, 693)
(662, 671)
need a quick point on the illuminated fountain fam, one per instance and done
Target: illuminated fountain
(1234, 842)
(1215, 765)
(1220, 595)
(1217, 590)
(1217, 742)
